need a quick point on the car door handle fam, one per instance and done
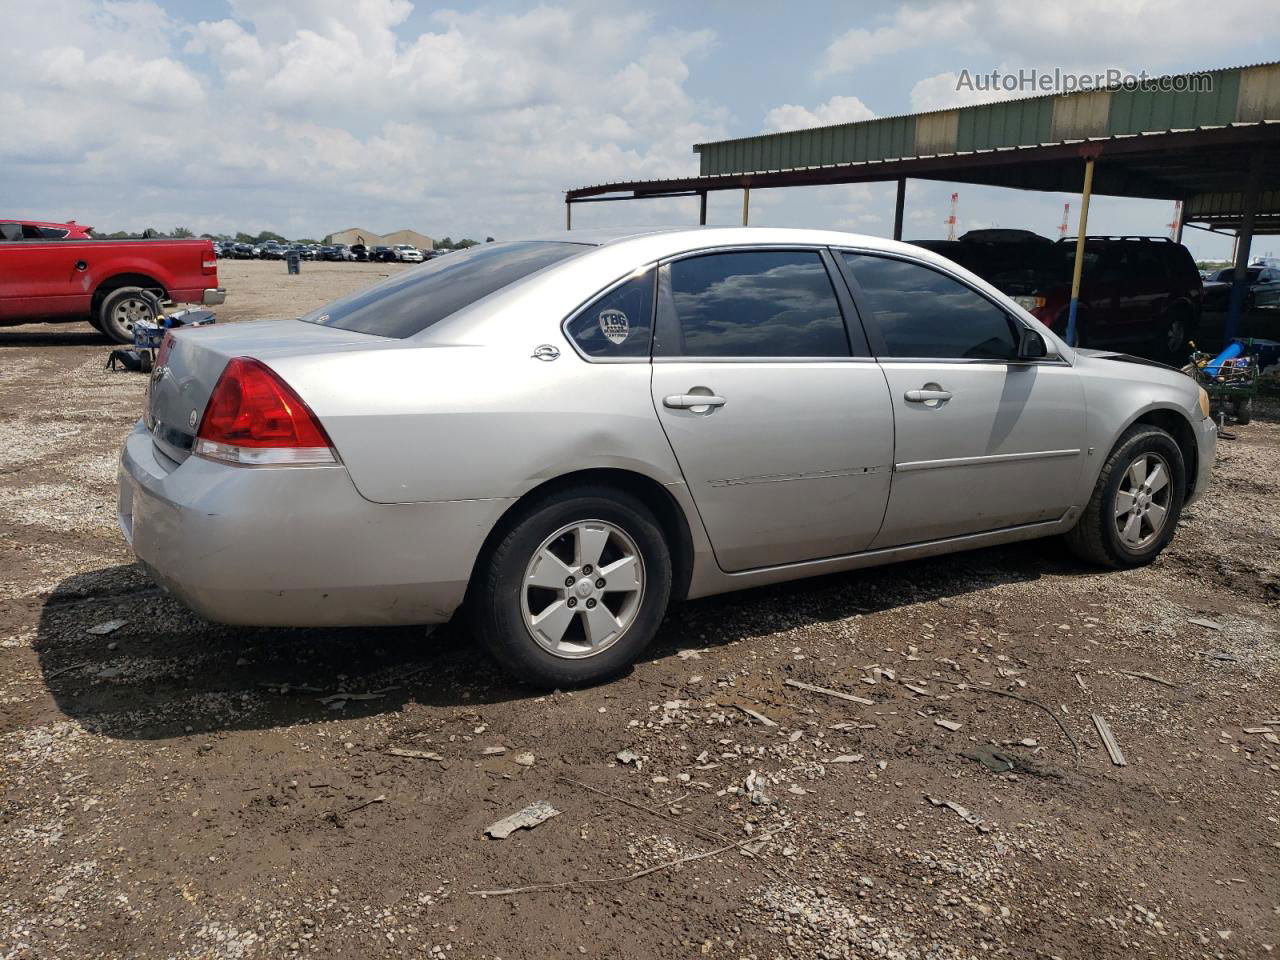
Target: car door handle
(686, 401)
(924, 396)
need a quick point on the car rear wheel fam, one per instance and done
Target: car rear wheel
(1136, 503)
(120, 310)
(575, 590)
(1174, 345)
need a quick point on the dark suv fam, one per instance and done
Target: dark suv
(1142, 293)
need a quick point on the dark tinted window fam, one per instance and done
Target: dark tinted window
(924, 313)
(53, 233)
(619, 323)
(10, 231)
(409, 302)
(759, 303)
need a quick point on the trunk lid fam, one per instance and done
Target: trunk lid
(179, 390)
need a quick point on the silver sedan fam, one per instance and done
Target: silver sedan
(562, 436)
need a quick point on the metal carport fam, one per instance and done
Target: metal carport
(1209, 139)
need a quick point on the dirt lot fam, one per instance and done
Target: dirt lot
(177, 789)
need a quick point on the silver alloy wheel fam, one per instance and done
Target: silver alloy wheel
(1177, 334)
(129, 311)
(1142, 502)
(582, 589)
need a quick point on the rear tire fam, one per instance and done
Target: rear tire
(119, 310)
(1136, 503)
(1173, 343)
(1243, 410)
(537, 601)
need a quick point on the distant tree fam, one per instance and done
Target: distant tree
(308, 240)
(151, 233)
(266, 235)
(445, 244)
(463, 244)
(245, 238)
(181, 233)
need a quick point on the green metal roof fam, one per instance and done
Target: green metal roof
(1236, 94)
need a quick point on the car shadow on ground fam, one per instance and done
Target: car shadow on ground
(164, 672)
(53, 335)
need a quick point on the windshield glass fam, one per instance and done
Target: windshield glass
(409, 302)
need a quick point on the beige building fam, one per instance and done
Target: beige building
(354, 235)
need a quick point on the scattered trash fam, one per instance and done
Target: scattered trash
(847, 758)
(524, 759)
(1080, 682)
(917, 690)
(1109, 741)
(535, 813)
(798, 790)
(344, 697)
(754, 785)
(628, 756)
(414, 754)
(1207, 624)
(107, 626)
(1000, 761)
(1150, 676)
(756, 715)
(800, 685)
(689, 654)
(962, 812)
(948, 724)
(493, 751)
(1221, 655)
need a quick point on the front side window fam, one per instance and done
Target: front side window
(409, 302)
(750, 303)
(922, 313)
(618, 324)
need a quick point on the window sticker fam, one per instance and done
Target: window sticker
(614, 325)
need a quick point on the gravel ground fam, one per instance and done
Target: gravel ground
(171, 788)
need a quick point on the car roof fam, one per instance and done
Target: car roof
(678, 238)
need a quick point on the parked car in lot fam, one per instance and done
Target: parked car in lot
(102, 281)
(1262, 287)
(43, 230)
(383, 255)
(272, 250)
(408, 253)
(730, 407)
(342, 251)
(1143, 293)
(359, 252)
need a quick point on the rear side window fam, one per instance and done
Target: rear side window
(618, 324)
(751, 303)
(409, 302)
(924, 314)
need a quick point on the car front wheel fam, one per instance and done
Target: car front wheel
(1136, 502)
(575, 590)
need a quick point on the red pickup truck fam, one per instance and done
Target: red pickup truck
(99, 280)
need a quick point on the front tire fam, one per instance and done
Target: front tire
(1135, 506)
(575, 590)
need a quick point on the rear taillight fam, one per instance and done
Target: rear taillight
(254, 418)
(209, 262)
(166, 345)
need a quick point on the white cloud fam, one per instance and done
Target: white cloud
(838, 109)
(1152, 34)
(307, 117)
(944, 90)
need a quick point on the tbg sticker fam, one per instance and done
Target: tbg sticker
(614, 325)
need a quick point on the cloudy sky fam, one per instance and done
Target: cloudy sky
(307, 116)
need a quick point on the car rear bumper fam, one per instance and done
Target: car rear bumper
(295, 546)
(1206, 446)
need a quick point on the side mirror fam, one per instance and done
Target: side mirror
(1031, 345)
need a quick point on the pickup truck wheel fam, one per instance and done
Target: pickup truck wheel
(1136, 503)
(120, 310)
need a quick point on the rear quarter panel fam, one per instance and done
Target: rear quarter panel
(414, 422)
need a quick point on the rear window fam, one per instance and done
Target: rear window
(409, 302)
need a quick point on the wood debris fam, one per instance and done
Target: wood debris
(801, 685)
(1150, 676)
(757, 715)
(948, 724)
(535, 813)
(1207, 624)
(964, 813)
(1109, 741)
(414, 754)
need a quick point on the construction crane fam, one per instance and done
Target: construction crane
(1062, 227)
(951, 220)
